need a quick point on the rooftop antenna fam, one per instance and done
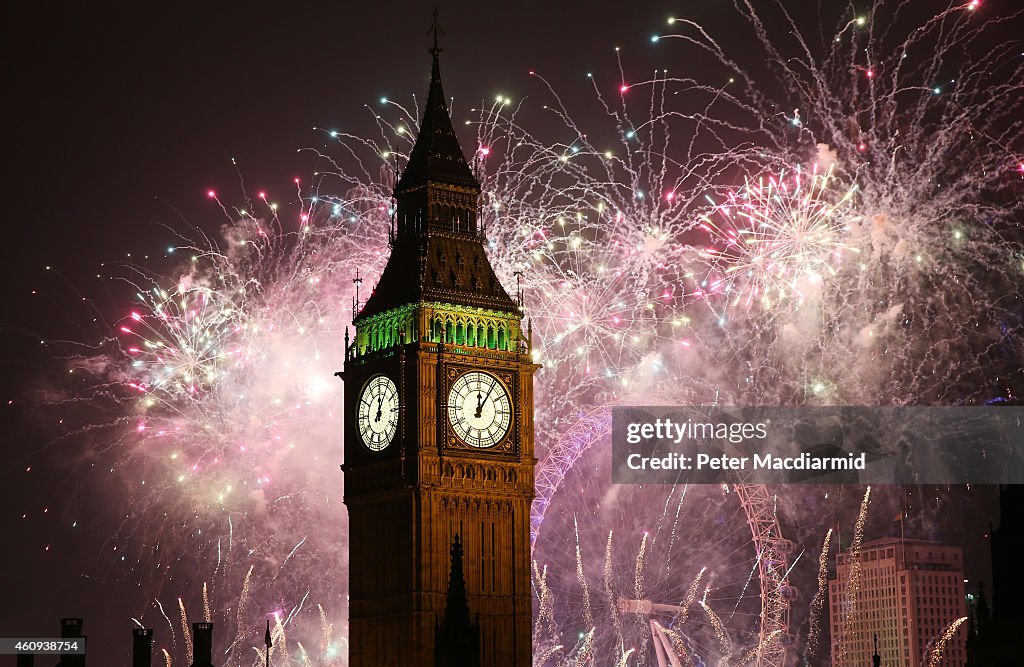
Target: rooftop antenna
(393, 210)
(436, 30)
(355, 300)
(519, 287)
(267, 642)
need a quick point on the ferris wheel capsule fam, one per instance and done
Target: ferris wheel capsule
(789, 592)
(784, 546)
(787, 639)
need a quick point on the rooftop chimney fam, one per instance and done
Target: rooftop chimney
(142, 647)
(202, 644)
(71, 628)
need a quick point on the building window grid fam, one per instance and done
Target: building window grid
(933, 593)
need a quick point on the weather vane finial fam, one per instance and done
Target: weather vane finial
(437, 31)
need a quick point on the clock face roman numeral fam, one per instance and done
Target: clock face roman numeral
(479, 409)
(377, 413)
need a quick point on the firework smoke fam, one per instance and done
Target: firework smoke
(838, 226)
(814, 631)
(853, 585)
(935, 654)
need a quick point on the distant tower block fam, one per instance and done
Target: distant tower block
(142, 647)
(910, 591)
(71, 628)
(202, 645)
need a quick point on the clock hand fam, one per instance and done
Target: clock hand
(380, 402)
(480, 401)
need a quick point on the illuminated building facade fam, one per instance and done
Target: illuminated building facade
(908, 592)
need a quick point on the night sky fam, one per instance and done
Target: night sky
(119, 118)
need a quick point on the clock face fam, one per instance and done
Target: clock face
(377, 414)
(479, 409)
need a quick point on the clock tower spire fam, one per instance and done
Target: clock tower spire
(438, 426)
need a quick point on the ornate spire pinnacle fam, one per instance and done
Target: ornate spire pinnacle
(458, 638)
(437, 242)
(437, 156)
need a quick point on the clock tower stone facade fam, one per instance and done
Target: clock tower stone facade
(439, 458)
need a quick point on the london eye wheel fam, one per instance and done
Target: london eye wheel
(656, 573)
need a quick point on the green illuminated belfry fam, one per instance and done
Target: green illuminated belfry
(437, 253)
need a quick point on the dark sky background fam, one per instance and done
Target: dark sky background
(119, 117)
(117, 120)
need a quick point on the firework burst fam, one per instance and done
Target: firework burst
(878, 263)
(778, 238)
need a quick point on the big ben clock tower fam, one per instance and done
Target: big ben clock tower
(439, 432)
